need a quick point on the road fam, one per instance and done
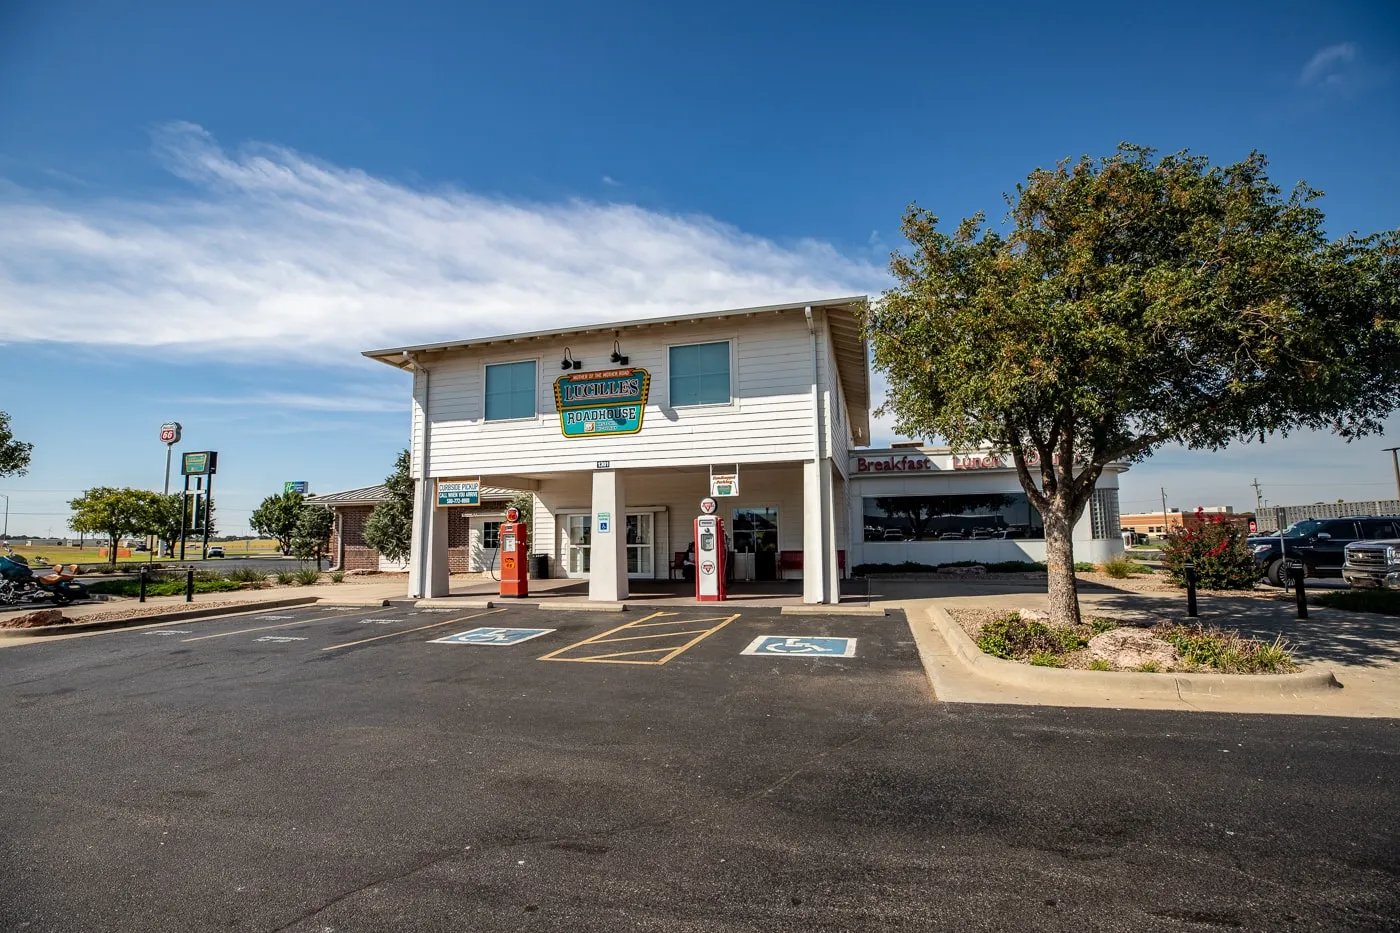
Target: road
(341, 770)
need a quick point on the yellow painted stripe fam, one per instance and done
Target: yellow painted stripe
(616, 657)
(365, 641)
(263, 628)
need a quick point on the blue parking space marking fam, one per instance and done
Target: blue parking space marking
(802, 646)
(492, 636)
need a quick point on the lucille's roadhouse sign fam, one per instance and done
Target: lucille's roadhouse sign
(602, 403)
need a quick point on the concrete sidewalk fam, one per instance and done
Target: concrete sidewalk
(1361, 650)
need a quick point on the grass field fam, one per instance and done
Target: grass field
(91, 555)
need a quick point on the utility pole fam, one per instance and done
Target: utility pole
(1395, 462)
(1258, 502)
(1165, 526)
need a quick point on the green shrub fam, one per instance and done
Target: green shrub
(1015, 566)
(209, 575)
(247, 575)
(307, 576)
(1218, 546)
(1228, 652)
(1047, 659)
(1013, 638)
(1385, 602)
(909, 566)
(286, 578)
(1098, 626)
(1120, 568)
(1083, 566)
(164, 587)
(1100, 664)
(338, 576)
(1147, 667)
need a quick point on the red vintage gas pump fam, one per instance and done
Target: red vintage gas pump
(515, 547)
(710, 554)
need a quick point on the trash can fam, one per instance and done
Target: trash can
(541, 566)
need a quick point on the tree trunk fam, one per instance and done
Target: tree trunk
(112, 551)
(1059, 560)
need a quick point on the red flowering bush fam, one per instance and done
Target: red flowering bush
(1217, 545)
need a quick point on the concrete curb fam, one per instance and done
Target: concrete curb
(363, 602)
(178, 615)
(825, 610)
(455, 602)
(1180, 685)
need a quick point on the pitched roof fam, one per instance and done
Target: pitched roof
(370, 495)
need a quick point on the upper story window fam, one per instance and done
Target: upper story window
(700, 374)
(510, 391)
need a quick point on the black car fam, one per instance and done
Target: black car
(1320, 543)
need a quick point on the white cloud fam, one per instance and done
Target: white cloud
(1328, 66)
(611, 182)
(302, 402)
(275, 252)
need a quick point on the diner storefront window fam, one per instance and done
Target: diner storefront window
(971, 517)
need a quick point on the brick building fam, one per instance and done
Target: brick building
(471, 533)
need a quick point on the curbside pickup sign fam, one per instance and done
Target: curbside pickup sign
(464, 492)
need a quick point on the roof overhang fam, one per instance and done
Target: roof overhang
(843, 316)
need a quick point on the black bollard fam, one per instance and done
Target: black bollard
(189, 585)
(1299, 593)
(141, 593)
(1190, 589)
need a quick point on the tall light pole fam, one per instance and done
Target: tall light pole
(5, 535)
(1395, 462)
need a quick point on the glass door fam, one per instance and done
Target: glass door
(578, 530)
(639, 545)
(754, 537)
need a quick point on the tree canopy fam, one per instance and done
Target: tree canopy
(1135, 301)
(277, 517)
(14, 455)
(115, 513)
(389, 529)
(312, 537)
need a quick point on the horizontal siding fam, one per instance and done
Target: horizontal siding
(770, 420)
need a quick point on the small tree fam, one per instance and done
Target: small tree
(277, 517)
(14, 455)
(115, 513)
(1135, 302)
(166, 512)
(312, 537)
(389, 529)
(1218, 546)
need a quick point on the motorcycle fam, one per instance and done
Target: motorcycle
(18, 582)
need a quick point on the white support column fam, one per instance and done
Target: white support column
(830, 543)
(607, 577)
(814, 577)
(427, 567)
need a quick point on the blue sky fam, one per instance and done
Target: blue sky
(205, 213)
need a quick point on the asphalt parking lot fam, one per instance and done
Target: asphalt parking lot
(374, 769)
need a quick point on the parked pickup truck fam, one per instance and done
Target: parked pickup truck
(1373, 564)
(1318, 543)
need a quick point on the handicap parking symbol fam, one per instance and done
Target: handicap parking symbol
(492, 636)
(802, 646)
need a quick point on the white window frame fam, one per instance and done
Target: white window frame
(733, 341)
(538, 369)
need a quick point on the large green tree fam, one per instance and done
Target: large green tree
(166, 512)
(1135, 301)
(277, 517)
(389, 529)
(312, 537)
(115, 513)
(14, 455)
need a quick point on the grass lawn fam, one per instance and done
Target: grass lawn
(1385, 602)
(93, 555)
(161, 588)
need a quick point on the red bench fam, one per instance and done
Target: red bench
(792, 560)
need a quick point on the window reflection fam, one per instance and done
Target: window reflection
(970, 517)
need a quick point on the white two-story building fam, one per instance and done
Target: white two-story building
(619, 430)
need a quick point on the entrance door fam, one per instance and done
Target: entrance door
(578, 530)
(755, 541)
(639, 545)
(490, 544)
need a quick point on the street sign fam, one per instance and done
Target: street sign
(170, 432)
(604, 522)
(492, 636)
(466, 492)
(802, 646)
(200, 463)
(296, 485)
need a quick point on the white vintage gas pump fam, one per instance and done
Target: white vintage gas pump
(709, 554)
